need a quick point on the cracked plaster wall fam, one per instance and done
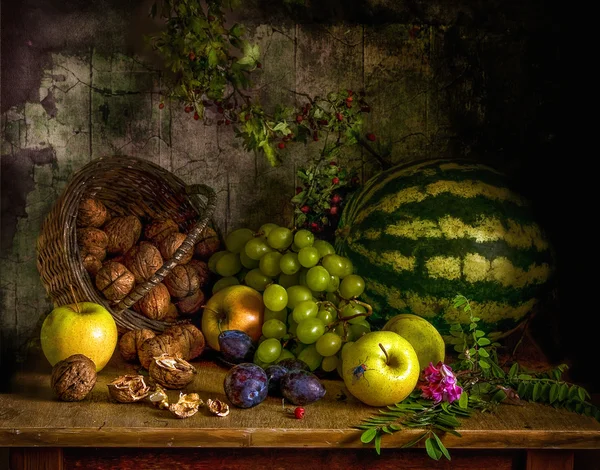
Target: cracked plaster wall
(78, 84)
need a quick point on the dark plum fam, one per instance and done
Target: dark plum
(236, 346)
(301, 387)
(292, 364)
(246, 385)
(274, 373)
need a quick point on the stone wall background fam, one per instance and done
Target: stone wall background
(443, 78)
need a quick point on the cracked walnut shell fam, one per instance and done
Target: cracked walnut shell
(187, 405)
(73, 378)
(128, 388)
(123, 232)
(114, 280)
(171, 372)
(143, 261)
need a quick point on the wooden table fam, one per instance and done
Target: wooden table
(43, 433)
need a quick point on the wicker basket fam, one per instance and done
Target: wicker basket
(127, 186)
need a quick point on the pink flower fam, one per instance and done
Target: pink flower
(440, 383)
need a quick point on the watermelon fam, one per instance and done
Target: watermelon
(423, 233)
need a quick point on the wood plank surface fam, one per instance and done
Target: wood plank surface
(31, 416)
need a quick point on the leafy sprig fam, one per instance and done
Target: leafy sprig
(486, 384)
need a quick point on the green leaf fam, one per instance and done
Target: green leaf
(483, 353)
(524, 377)
(441, 446)
(463, 401)
(537, 389)
(432, 449)
(553, 393)
(378, 444)
(514, 370)
(479, 333)
(484, 364)
(483, 341)
(395, 427)
(581, 392)
(476, 319)
(368, 435)
(499, 396)
(563, 392)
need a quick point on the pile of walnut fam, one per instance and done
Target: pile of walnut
(120, 252)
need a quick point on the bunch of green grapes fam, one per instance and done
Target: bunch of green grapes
(310, 293)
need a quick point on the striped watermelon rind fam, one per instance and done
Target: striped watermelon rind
(422, 233)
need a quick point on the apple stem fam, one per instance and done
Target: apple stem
(74, 298)
(387, 358)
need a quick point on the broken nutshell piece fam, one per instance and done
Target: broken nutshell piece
(158, 397)
(171, 372)
(187, 405)
(128, 388)
(217, 407)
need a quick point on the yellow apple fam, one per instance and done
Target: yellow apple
(424, 337)
(233, 308)
(380, 368)
(84, 328)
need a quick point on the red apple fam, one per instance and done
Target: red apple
(233, 308)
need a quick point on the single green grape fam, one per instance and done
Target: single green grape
(269, 350)
(269, 263)
(280, 315)
(265, 229)
(352, 308)
(228, 265)
(285, 354)
(352, 286)
(225, 282)
(357, 330)
(248, 262)
(335, 264)
(304, 310)
(296, 294)
(308, 256)
(348, 267)
(288, 280)
(317, 278)
(295, 248)
(256, 279)
(333, 285)
(274, 328)
(310, 330)
(326, 315)
(275, 297)
(256, 360)
(280, 238)
(304, 238)
(311, 357)
(324, 248)
(256, 248)
(289, 263)
(328, 344)
(236, 240)
(212, 261)
(329, 363)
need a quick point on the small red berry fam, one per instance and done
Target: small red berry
(339, 116)
(371, 137)
(314, 226)
(192, 56)
(333, 163)
(299, 412)
(335, 180)
(323, 122)
(281, 145)
(188, 109)
(299, 189)
(349, 99)
(196, 116)
(348, 104)
(305, 209)
(299, 118)
(336, 199)
(259, 65)
(161, 106)
(333, 210)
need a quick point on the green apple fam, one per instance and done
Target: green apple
(380, 368)
(424, 337)
(84, 328)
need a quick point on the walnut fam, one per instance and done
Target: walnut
(190, 337)
(91, 213)
(207, 244)
(91, 264)
(92, 241)
(114, 280)
(159, 229)
(73, 378)
(170, 244)
(171, 372)
(182, 281)
(155, 304)
(184, 341)
(187, 405)
(143, 261)
(172, 314)
(123, 232)
(201, 268)
(128, 388)
(191, 304)
(131, 341)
